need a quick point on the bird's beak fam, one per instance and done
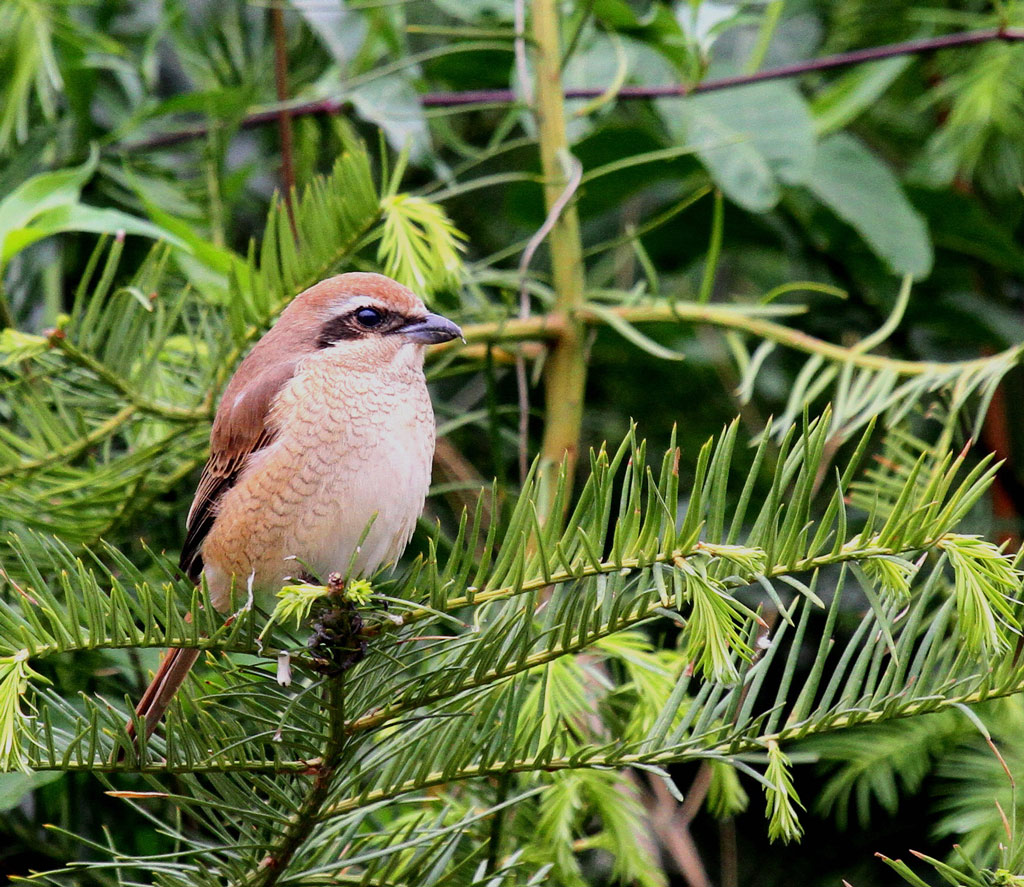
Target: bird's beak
(430, 330)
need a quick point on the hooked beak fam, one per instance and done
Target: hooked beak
(430, 330)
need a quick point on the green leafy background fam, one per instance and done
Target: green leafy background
(755, 650)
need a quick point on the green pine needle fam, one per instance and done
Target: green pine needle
(714, 633)
(893, 574)
(419, 245)
(781, 799)
(16, 346)
(985, 585)
(15, 674)
(296, 601)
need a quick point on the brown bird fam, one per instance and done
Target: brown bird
(324, 430)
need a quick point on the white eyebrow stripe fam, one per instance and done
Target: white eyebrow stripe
(351, 303)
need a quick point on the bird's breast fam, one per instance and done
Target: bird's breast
(341, 486)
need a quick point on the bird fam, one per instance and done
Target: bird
(320, 451)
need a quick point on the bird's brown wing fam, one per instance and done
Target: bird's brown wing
(242, 428)
(219, 476)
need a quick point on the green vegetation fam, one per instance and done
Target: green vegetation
(672, 629)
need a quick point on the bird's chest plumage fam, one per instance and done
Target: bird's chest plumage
(340, 487)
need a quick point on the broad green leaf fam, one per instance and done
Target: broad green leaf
(15, 786)
(616, 14)
(865, 193)
(341, 29)
(850, 95)
(43, 192)
(48, 203)
(394, 105)
(752, 140)
(78, 217)
(704, 22)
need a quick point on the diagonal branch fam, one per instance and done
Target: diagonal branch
(164, 411)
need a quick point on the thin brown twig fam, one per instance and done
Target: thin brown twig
(670, 821)
(284, 115)
(627, 93)
(728, 853)
(825, 63)
(1006, 491)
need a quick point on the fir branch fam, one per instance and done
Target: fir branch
(651, 564)
(781, 799)
(849, 554)
(274, 866)
(73, 448)
(167, 412)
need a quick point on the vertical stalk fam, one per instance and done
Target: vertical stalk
(306, 818)
(6, 312)
(284, 117)
(565, 373)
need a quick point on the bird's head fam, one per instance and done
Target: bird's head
(366, 319)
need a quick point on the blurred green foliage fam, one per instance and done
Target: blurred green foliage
(820, 193)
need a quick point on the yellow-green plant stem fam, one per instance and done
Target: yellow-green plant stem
(551, 327)
(755, 320)
(565, 372)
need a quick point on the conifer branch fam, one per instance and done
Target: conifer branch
(850, 553)
(143, 404)
(73, 448)
(302, 822)
(725, 750)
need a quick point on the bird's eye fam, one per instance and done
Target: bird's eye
(369, 317)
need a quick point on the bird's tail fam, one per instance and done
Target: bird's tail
(168, 678)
